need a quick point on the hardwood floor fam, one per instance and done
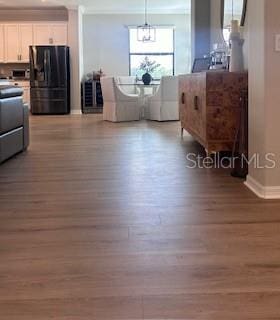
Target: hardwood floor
(105, 221)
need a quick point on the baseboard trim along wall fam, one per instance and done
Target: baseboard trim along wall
(75, 111)
(268, 193)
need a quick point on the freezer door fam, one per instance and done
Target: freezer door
(50, 101)
(49, 66)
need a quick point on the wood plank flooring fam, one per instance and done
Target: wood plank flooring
(105, 221)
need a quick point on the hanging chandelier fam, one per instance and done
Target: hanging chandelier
(146, 32)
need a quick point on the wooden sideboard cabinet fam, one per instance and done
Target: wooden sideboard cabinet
(210, 107)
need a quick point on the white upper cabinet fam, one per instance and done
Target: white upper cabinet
(25, 40)
(11, 43)
(18, 38)
(2, 52)
(60, 34)
(50, 34)
(42, 34)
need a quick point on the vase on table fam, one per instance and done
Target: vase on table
(236, 59)
(146, 78)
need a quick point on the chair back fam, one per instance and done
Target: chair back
(126, 80)
(169, 88)
(108, 89)
(127, 84)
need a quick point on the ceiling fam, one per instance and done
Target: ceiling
(106, 6)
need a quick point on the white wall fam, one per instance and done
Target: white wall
(76, 57)
(106, 43)
(257, 86)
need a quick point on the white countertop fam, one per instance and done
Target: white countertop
(6, 82)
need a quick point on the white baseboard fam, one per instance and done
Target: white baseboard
(76, 111)
(268, 193)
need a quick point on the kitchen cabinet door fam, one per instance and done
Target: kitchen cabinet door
(42, 34)
(51, 34)
(25, 40)
(60, 34)
(2, 52)
(11, 43)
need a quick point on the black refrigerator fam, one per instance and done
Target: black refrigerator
(49, 79)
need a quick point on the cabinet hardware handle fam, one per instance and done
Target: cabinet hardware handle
(196, 103)
(183, 98)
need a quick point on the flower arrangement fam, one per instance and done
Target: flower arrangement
(148, 66)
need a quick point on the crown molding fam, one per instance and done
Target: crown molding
(32, 8)
(76, 8)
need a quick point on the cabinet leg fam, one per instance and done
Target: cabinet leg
(209, 153)
(182, 132)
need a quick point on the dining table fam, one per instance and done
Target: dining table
(145, 91)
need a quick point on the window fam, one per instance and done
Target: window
(160, 53)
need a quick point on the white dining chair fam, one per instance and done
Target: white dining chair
(118, 106)
(164, 105)
(127, 84)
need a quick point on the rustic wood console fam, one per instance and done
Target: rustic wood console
(210, 107)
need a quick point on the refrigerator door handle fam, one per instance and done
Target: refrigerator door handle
(47, 66)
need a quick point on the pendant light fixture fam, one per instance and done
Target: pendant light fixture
(146, 32)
